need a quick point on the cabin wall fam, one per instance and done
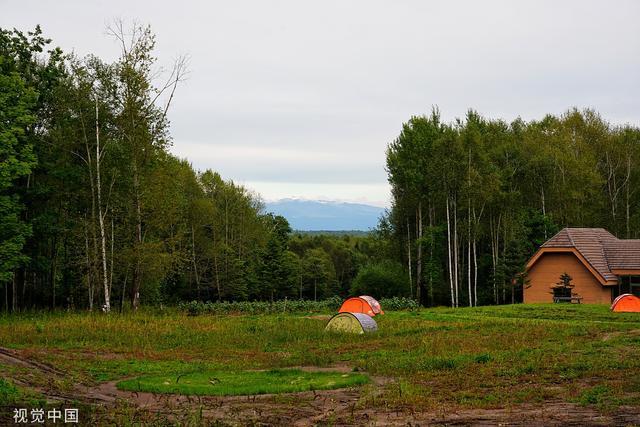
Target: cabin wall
(546, 273)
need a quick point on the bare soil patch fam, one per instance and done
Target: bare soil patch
(629, 333)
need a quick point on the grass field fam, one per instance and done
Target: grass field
(431, 360)
(243, 383)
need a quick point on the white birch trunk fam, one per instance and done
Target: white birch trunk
(409, 257)
(455, 250)
(475, 274)
(469, 253)
(105, 279)
(449, 257)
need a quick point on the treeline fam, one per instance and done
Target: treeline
(473, 199)
(94, 210)
(195, 308)
(96, 213)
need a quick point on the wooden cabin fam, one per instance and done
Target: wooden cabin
(601, 267)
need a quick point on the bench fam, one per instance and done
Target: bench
(574, 299)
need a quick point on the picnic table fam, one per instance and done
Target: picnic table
(574, 299)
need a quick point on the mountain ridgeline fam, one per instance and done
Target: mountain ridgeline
(314, 215)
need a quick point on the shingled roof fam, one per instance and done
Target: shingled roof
(602, 250)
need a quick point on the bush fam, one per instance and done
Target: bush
(381, 280)
(195, 308)
(398, 304)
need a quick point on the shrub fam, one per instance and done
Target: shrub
(195, 308)
(381, 280)
(398, 303)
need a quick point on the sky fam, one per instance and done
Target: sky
(299, 99)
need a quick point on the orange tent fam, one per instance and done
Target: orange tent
(626, 303)
(362, 304)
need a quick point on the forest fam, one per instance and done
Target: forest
(474, 199)
(97, 214)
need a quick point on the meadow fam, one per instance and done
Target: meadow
(428, 361)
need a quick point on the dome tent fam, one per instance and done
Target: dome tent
(626, 303)
(362, 304)
(357, 323)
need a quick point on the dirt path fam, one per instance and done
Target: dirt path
(334, 407)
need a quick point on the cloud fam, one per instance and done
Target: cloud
(304, 96)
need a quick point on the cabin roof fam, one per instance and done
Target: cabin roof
(602, 250)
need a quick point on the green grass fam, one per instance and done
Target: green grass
(442, 357)
(13, 394)
(8, 392)
(230, 383)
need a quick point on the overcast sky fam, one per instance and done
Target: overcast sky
(300, 98)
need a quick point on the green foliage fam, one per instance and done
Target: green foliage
(475, 198)
(146, 226)
(18, 114)
(565, 281)
(194, 308)
(319, 274)
(278, 270)
(381, 280)
(398, 304)
(8, 392)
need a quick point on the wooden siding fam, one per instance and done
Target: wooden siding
(547, 270)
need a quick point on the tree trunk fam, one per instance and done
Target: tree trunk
(469, 230)
(431, 249)
(504, 258)
(419, 256)
(226, 237)
(409, 257)
(469, 253)
(124, 290)
(217, 274)
(495, 245)
(544, 211)
(193, 259)
(14, 297)
(89, 269)
(455, 250)
(449, 255)
(628, 184)
(54, 265)
(91, 257)
(137, 272)
(475, 274)
(103, 241)
(112, 255)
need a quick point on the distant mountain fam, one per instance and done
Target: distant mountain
(314, 215)
(335, 233)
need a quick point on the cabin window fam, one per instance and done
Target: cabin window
(634, 285)
(627, 285)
